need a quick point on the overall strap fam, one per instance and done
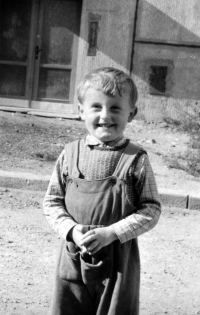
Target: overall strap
(127, 158)
(71, 153)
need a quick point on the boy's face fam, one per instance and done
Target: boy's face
(106, 116)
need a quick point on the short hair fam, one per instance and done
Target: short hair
(110, 81)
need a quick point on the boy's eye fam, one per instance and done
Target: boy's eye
(115, 108)
(96, 106)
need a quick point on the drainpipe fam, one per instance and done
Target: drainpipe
(134, 35)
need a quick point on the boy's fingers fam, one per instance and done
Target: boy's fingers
(83, 249)
(89, 233)
(86, 240)
(92, 245)
(95, 250)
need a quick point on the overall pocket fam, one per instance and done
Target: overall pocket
(94, 273)
(70, 266)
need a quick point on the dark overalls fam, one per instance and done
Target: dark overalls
(106, 283)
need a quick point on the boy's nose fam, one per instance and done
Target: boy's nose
(105, 113)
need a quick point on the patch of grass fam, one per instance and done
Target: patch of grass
(190, 124)
(49, 157)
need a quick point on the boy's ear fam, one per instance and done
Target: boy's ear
(81, 111)
(132, 114)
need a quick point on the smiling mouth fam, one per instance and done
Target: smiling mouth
(105, 125)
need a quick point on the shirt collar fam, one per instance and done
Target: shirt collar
(92, 141)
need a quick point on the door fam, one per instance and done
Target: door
(55, 54)
(38, 49)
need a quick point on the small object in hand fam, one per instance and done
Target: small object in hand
(84, 249)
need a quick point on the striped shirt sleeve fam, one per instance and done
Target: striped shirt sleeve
(54, 201)
(148, 207)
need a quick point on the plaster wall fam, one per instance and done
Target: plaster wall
(182, 82)
(172, 21)
(114, 37)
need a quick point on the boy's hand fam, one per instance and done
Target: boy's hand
(77, 234)
(95, 239)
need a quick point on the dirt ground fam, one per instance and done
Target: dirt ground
(32, 144)
(170, 253)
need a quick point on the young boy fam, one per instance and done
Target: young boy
(102, 195)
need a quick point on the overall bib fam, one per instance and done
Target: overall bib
(106, 283)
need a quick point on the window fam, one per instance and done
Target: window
(157, 79)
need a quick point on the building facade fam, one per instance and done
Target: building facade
(46, 47)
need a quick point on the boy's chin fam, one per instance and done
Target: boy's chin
(107, 138)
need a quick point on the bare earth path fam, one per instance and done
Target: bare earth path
(170, 259)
